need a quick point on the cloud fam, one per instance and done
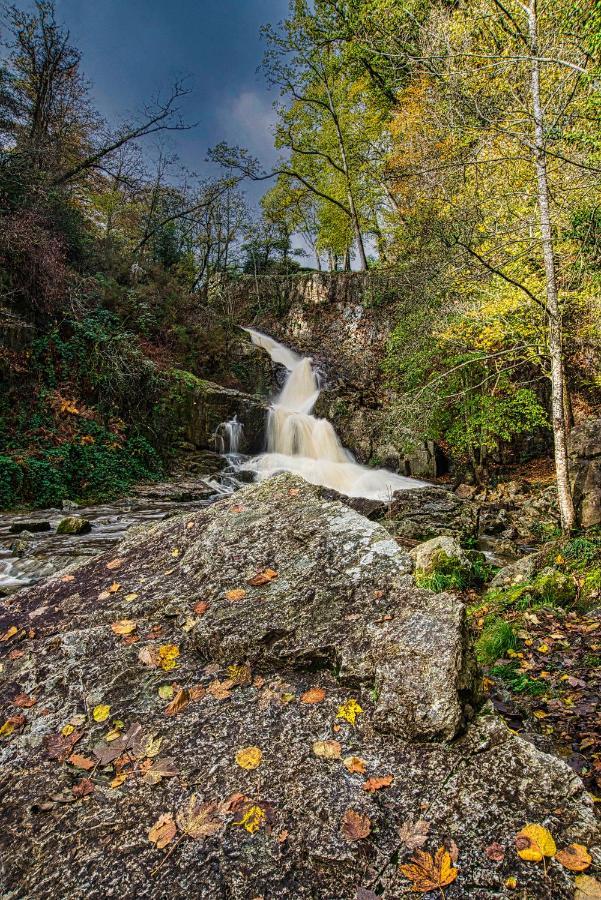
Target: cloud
(248, 119)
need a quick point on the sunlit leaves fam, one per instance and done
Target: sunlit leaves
(252, 819)
(101, 712)
(249, 757)
(576, 857)
(168, 654)
(429, 873)
(533, 842)
(163, 831)
(349, 711)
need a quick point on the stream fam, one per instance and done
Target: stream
(296, 441)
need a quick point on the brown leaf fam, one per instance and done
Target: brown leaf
(263, 577)
(355, 827)
(576, 857)
(115, 586)
(201, 607)
(235, 594)
(587, 888)
(197, 819)
(163, 831)
(83, 787)
(59, 746)
(313, 695)
(220, 690)
(24, 701)
(414, 834)
(179, 702)
(114, 564)
(160, 768)
(81, 762)
(327, 749)
(240, 675)
(355, 764)
(197, 692)
(124, 626)
(376, 784)
(150, 656)
(495, 852)
(233, 803)
(429, 874)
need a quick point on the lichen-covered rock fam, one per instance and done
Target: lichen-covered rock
(585, 472)
(338, 647)
(73, 525)
(426, 554)
(428, 512)
(519, 572)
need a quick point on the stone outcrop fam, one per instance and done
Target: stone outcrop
(585, 471)
(428, 512)
(73, 525)
(280, 621)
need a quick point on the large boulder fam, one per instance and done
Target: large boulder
(585, 471)
(428, 512)
(336, 668)
(73, 525)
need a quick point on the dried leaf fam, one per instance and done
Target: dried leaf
(168, 654)
(349, 711)
(115, 586)
(12, 724)
(376, 784)
(114, 564)
(587, 888)
(313, 695)
(101, 712)
(118, 780)
(179, 702)
(149, 656)
(249, 757)
(81, 762)
(151, 746)
(197, 692)
(163, 831)
(576, 857)
(220, 690)
(533, 842)
(355, 764)
(124, 626)
(131, 597)
(9, 633)
(355, 827)
(83, 787)
(175, 552)
(429, 874)
(414, 834)
(166, 691)
(236, 594)
(59, 747)
(160, 768)
(201, 607)
(263, 577)
(240, 675)
(254, 817)
(24, 701)
(68, 729)
(495, 852)
(197, 819)
(327, 749)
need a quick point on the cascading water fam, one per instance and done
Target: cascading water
(299, 442)
(228, 436)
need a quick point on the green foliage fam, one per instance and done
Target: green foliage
(517, 681)
(498, 636)
(11, 480)
(450, 573)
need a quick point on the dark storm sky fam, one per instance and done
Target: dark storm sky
(132, 48)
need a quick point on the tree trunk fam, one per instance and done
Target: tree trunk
(566, 505)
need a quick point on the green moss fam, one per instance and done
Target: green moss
(188, 379)
(447, 572)
(517, 681)
(498, 636)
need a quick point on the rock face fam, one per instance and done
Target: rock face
(73, 525)
(585, 471)
(426, 554)
(337, 655)
(429, 512)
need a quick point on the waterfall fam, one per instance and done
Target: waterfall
(299, 442)
(228, 437)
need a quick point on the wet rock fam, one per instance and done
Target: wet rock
(21, 545)
(585, 472)
(428, 554)
(73, 525)
(176, 491)
(33, 527)
(428, 512)
(520, 572)
(340, 617)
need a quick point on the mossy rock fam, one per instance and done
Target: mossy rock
(74, 525)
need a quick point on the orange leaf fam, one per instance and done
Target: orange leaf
(235, 595)
(115, 586)
(114, 564)
(124, 626)
(355, 764)
(201, 607)
(83, 788)
(81, 762)
(429, 874)
(163, 831)
(179, 702)
(313, 695)
(375, 784)
(355, 827)
(576, 857)
(24, 701)
(263, 577)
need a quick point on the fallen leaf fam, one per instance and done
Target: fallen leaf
(355, 827)
(327, 749)
(163, 831)
(114, 564)
(249, 757)
(429, 874)
(101, 712)
(576, 857)
(201, 607)
(414, 834)
(355, 764)
(83, 787)
(160, 768)
(179, 702)
(67, 578)
(12, 724)
(533, 842)
(118, 780)
(168, 654)
(59, 747)
(349, 711)
(149, 656)
(81, 762)
(175, 552)
(166, 691)
(240, 674)
(115, 586)
(220, 690)
(68, 729)
(511, 882)
(150, 746)
(9, 633)
(253, 819)
(103, 595)
(587, 888)
(376, 784)
(313, 695)
(495, 852)
(24, 701)
(263, 577)
(197, 692)
(131, 597)
(236, 594)
(198, 819)
(124, 626)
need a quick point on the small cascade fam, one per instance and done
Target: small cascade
(298, 441)
(228, 437)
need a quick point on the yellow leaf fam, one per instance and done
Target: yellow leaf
(236, 594)
(587, 888)
(168, 653)
(130, 597)
(249, 757)
(544, 648)
(115, 586)
(511, 882)
(101, 712)
(124, 626)
(175, 552)
(153, 746)
(118, 780)
(430, 874)
(576, 857)
(349, 711)
(252, 819)
(113, 735)
(7, 728)
(327, 749)
(10, 632)
(166, 691)
(67, 730)
(533, 842)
